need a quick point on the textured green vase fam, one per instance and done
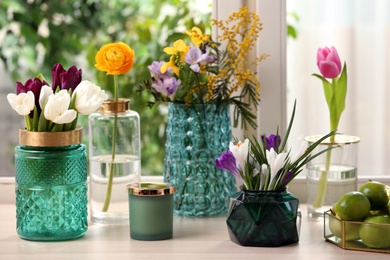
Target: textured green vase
(264, 218)
(195, 137)
(51, 192)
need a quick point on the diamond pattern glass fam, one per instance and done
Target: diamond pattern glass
(195, 136)
(51, 192)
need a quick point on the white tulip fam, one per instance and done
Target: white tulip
(89, 97)
(23, 103)
(57, 108)
(46, 91)
(240, 152)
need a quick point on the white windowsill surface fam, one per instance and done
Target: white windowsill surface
(193, 238)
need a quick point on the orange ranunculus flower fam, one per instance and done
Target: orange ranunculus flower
(115, 58)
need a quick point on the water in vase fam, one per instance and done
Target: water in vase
(340, 180)
(126, 170)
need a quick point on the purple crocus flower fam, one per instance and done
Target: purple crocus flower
(33, 85)
(226, 161)
(155, 69)
(63, 79)
(272, 141)
(287, 178)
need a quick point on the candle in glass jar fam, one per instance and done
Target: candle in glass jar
(151, 210)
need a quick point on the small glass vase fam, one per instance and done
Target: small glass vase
(332, 174)
(113, 165)
(51, 186)
(195, 137)
(264, 218)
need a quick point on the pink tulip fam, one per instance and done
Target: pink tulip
(328, 62)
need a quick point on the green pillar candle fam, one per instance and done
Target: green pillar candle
(151, 211)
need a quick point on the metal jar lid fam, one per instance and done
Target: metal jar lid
(150, 189)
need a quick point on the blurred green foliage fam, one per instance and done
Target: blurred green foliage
(36, 34)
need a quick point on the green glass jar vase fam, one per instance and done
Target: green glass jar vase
(264, 218)
(195, 137)
(51, 185)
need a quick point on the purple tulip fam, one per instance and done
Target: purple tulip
(272, 141)
(226, 161)
(33, 85)
(65, 79)
(328, 62)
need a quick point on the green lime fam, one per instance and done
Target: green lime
(353, 205)
(351, 230)
(376, 236)
(377, 193)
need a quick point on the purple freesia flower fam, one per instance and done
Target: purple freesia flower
(163, 83)
(65, 79)
(195, 57)
(33, 85)
(272, 141)
(226, 161)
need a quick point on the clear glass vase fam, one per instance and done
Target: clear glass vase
(195, 137)
(332, 174)
(114, 160)
(264, 218)
(51, 188)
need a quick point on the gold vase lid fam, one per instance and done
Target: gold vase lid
(110, 106)
(50, 139)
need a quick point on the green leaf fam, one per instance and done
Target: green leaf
(340, 93)
(328, 90)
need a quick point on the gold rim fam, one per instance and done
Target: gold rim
(150, 189)
(110, 106)
(340, 139)
(50, 139)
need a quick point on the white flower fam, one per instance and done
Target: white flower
(240, 152)
(23, 103)
(298, 149)
(46, 91)
(275, 161)
(89, 97)
(57, 108)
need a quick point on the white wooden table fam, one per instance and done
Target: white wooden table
(193, 238)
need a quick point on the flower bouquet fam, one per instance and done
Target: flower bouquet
(199, 81)
(264, 213)
(50, 161)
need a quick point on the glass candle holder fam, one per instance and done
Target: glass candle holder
(151, 211)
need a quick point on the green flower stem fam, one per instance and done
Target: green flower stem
(28, 122)
(323, 181)
(113, 147)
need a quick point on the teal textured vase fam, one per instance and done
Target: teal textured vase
(264, 218)
(51, 192)
(195, 136)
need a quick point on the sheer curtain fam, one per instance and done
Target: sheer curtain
(360, 31)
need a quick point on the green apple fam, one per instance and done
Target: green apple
(376, 236)
(353, 205)
(377, 193)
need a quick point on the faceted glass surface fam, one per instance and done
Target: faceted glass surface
(196, 135)
(51, 192)
(264, 218)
